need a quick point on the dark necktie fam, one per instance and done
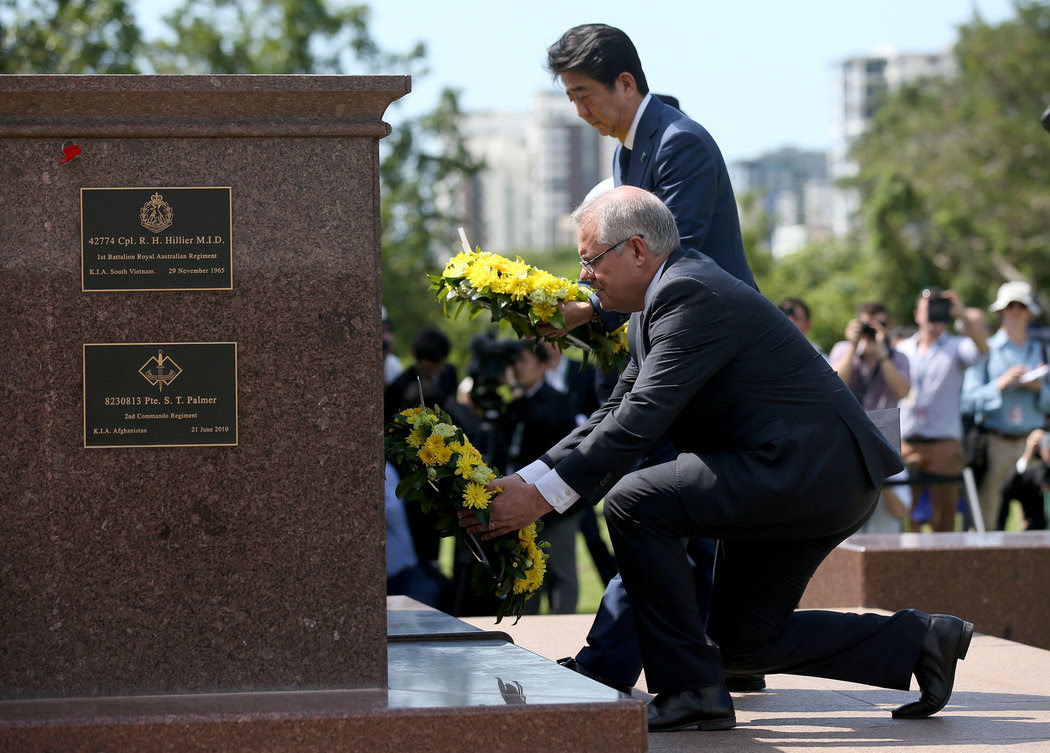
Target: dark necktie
(625, 160)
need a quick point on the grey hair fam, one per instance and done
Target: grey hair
(621, 214)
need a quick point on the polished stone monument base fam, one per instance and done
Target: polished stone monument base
(996, 580)
(453, 687)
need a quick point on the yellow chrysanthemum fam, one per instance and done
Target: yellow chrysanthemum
(481, 276)
(544, 310)
(434, 451)
(475, 496)
(465, 466)
(534, 575)
(412, 415)
(460, 448)
(514, 280)
(458, 265)
(415, 439)
(426, 456)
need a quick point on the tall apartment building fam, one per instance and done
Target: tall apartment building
(863, 80)
(539, 166)
(795, 192)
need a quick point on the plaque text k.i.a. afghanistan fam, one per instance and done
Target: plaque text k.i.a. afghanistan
(160, 394)
(156, 239)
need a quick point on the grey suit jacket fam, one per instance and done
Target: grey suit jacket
(716, 366)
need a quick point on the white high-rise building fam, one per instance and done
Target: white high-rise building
(497, 204)
(863, 80)
(795, 192)
(539, 167)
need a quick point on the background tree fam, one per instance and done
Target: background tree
(424, 167)
(424, 161)
(68, 36)
(955, 172)
(274, 36)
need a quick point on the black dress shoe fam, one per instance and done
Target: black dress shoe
(571, 663)
(707, 708)
(946, 642)
(745, 683)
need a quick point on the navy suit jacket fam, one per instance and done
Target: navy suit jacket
(676, 159)
(774, 434)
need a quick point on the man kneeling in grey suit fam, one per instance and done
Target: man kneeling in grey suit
(777, 462)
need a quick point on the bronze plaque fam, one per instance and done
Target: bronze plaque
(156, 239)
(160, 394)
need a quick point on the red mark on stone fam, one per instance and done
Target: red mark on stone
(72, 151)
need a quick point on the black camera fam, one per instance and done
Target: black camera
(866, 330)
(489, 360)
(939, 309)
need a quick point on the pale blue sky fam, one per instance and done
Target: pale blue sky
(759, 74)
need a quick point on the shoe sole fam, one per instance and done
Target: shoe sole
(964, 642)
(707, 725)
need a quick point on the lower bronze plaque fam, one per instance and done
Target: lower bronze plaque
(160, 394)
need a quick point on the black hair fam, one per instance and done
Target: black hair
(599, 51)
(789, 306)
(431, 344)
(538, 350)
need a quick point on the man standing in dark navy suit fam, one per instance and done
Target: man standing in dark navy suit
(674, 157)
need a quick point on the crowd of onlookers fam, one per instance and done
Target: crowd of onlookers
(973, 407)
(970, 387)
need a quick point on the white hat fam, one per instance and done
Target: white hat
(1015, 290)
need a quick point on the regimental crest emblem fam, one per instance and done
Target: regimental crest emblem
(156, 214)
(160, 371)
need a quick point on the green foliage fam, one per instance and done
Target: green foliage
(425, 163)
(756, 227)
(832, 278)
(68, 36)
(954, 174)
(273, 36)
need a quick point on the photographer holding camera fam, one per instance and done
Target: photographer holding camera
(876, 375)
(931, 418)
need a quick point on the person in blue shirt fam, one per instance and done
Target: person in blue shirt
(1004, 393)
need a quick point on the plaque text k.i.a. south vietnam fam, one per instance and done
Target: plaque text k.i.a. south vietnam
(155, 239)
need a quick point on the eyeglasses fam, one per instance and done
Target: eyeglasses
(589, 263)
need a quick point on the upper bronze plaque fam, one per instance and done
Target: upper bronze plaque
(156, 238)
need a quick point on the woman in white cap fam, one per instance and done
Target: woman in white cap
(1008, 396)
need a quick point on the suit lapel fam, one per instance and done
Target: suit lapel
(638, 342)
(640, 320)
(644, 145)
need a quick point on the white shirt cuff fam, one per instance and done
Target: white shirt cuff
(549, 484)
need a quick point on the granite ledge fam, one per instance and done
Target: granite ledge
(957, 540)
(126, 106)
